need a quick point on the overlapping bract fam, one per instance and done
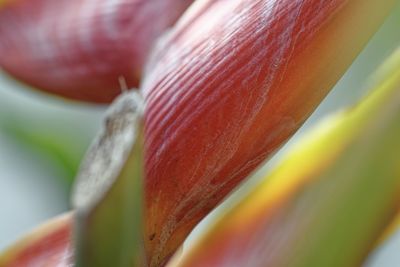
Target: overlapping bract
(229, 84)
(224, 89)
(79, 48)
(326, 204)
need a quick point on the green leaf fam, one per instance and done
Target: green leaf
(392, 229)
(60, 149)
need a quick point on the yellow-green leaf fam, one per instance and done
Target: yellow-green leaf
(393, 228)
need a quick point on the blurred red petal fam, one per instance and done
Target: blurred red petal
(79, 48)
(46, 246)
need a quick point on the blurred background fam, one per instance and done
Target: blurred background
(43, 138)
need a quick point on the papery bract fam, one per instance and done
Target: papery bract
(230, 83)
(79, 48)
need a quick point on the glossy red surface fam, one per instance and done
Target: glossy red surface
(232, 82)
(78, 48)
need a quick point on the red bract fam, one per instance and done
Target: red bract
(47, 246)
(79, 48)
(227, 87)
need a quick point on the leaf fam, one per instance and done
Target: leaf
(108, 193)
(326, 204)
(229, 84)
(78, 48)
(107, 200)
(391, 66)
(48, 245)
(55, 145)
(393, 228)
